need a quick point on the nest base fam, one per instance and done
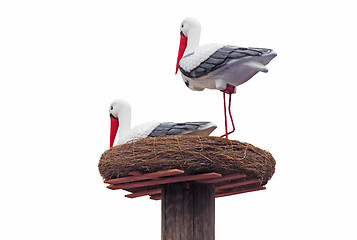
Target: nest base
(152, 183)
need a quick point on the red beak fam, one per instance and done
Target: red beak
(183, 45)
(114, 125)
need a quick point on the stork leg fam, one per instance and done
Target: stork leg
(230, 114)
(225, 115)
(229, 90)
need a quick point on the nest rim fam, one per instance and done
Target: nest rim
(193, 154)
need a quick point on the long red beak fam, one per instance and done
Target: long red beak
(114, 125)
(183, 45)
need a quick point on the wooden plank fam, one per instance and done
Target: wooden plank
(144, 193)
(229, 193)
(145, 176)
(224, 178)
(156, 197)
(165, 181)
(231, 185)
(222, 193)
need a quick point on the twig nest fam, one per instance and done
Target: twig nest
(193, 154)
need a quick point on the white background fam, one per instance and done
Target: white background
(63, 62)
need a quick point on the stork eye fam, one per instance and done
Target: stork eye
(182, 26)
(111, 107)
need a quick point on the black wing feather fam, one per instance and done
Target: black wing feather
(170, 128)
(221, 57)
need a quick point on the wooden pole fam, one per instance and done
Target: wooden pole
(187, 211)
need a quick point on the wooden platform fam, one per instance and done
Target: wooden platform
(150, 183)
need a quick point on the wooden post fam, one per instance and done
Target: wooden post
(187, 211)
(187, 201)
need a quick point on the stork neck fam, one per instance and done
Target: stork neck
(124, 123)
(193, 42)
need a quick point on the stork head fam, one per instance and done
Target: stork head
(116, 109)
(190, 26)
(190, 31)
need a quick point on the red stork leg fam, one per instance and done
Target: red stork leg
(230, 114)
(229, 90)
(225, 115)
